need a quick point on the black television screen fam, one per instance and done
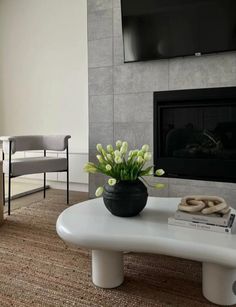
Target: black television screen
(158, 29)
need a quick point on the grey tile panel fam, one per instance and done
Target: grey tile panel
(158, 192)
(101, 109)
(116, 3)
(221, 68)
(117, 24)
(118, 51)
(100, 81)
(141, 77)
(202, 183)
(100, 133)
(186, 74)
(97, 5)
(182, 190)
(223, 84)
(100, 53)
(100, 24)
(133, 107)
(164, 192)
(204, 71)
(136, 134)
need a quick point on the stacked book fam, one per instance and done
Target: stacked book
(213, 222)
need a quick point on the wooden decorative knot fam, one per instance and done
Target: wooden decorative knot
(204, 204)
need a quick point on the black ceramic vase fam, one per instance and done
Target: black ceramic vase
(125, 198)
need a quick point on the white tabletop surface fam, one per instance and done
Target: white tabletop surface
(91, 225)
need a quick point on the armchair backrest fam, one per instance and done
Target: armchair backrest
(35, 142)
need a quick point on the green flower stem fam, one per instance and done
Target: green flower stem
(104, 154)
(147, 183)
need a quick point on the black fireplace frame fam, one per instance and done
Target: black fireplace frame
(210, 169)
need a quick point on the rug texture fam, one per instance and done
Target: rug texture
(38, 269)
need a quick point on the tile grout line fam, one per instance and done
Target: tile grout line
(113, 95)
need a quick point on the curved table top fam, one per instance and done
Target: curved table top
(91, 225)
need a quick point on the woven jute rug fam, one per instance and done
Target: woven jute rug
(38, 269)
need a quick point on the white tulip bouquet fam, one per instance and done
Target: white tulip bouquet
(120, 165)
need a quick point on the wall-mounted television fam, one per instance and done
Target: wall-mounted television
(195, 133)
(161, 29)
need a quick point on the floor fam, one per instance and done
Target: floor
(20, 189)
(39, 270)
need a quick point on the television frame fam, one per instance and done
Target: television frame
(196, 54)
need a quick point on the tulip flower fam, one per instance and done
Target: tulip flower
(112, 181)
(99, 147)
(124, 148)
(99, 191)
(108, 167)
(109, 158)
(118, 144)
(100, 159)
(90, 168)
(147, 156)
(150, 173)
(145, 148)
(109, 148)
(160, 172)
(140, 153)
(118, 160)
(117, 153)
(139, 160)
(125, 144)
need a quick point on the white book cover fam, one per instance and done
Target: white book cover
(195, 225)
(215, 219)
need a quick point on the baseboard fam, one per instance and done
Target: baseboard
(27, 193)
(80, 187)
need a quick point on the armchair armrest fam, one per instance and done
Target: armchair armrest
(6, 138)
(5, 143)
(35, 142)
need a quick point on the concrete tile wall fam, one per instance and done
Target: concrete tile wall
(121, 95)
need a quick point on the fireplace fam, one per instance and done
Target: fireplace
(195, 133)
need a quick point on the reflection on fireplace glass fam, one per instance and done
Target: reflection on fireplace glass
(198, 132)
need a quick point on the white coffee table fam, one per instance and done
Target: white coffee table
(91, 225)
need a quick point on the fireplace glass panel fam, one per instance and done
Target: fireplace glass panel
(199, 132)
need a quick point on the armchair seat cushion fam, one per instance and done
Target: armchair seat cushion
(35, 165)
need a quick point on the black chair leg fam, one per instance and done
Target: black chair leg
(44, 185)
(67, 188)
(9, 195)
(3, 188)
(9, 180)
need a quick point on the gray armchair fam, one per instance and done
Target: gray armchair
(25, 166)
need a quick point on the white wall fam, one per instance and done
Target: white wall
(43, 69)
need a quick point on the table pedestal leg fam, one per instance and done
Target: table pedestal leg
(219, 284)
(107, 268)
